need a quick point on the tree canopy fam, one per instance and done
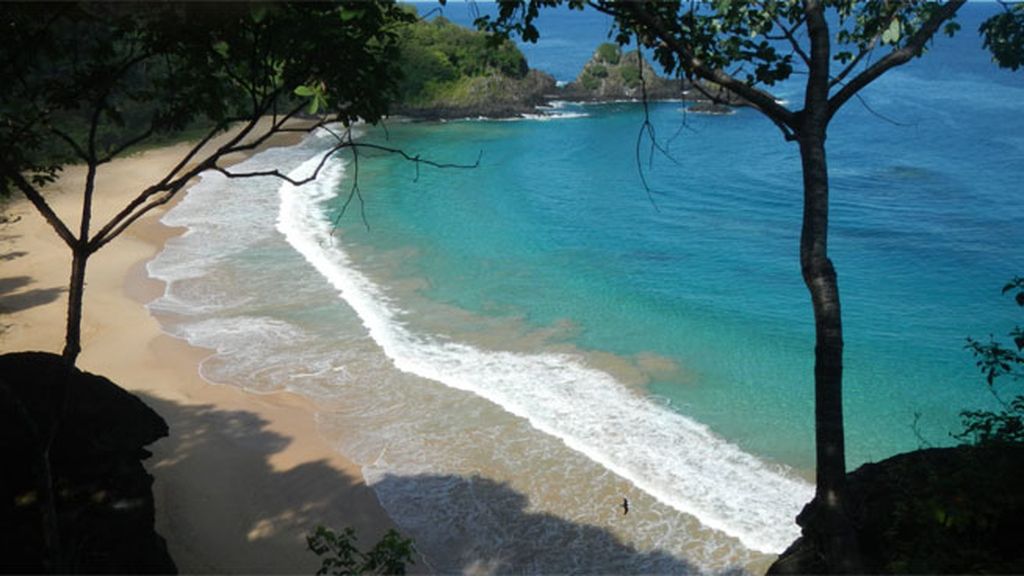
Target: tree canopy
(87, 81)
(435, 55)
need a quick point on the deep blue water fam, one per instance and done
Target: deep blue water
(555, 228)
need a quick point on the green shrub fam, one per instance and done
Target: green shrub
(438, 52)
(630, 75)
(340, 557)
(1000, 363)
(609, 53)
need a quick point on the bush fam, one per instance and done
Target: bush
(342, 558)
(590, 82)
(630, 76)
(609, 53)
(999, 362)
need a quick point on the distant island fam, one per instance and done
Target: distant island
(452, 72)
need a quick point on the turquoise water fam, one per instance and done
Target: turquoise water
(508, 351)
(555, 227)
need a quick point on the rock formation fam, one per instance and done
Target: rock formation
(103, 493)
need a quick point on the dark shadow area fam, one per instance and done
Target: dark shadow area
(957, 510)
(485, 526)
(102, 507)
(11, 300)
(476, 524)
(8, 256)
(252, 516)
(13, 283)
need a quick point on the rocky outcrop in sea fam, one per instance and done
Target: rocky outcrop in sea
(609, 76)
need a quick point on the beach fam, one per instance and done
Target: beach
(242, 478)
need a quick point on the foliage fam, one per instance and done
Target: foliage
(740, 34)
(608, 52)
(630, 75)
(999, 363)
(1004, 36)
(341, 557)
(436, 55)
(590, 81)
(87, 81)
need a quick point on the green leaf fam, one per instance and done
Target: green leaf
(892, 34)
(305, 91)
(221, 48)
(348, 14)
(258, 12)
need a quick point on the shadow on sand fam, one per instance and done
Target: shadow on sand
(12, 300)
(484, 527)
(246, 515)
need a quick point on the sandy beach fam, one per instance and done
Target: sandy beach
(242, 477)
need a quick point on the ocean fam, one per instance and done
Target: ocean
(509, 351)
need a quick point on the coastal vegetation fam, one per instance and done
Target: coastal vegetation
(449, 71)
(438, 59)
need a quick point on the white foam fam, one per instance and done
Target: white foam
(552, 116)
(675, 459)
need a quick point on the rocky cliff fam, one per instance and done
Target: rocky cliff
(611, 74)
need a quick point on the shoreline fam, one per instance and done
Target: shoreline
(242, 477)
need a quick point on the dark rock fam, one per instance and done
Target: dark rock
(941, 510)
(104, 495)
(708, 107)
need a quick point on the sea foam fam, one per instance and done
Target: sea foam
(675, 459)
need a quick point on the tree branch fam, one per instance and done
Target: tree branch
(896, 57)
(126, 145)
(759, 99)
(787, 34)
(39, 202)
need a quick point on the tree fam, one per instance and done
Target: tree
(89, 82)
(746, 47)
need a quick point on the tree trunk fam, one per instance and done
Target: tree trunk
(61, 391)
(839, 546)
(76, 289)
